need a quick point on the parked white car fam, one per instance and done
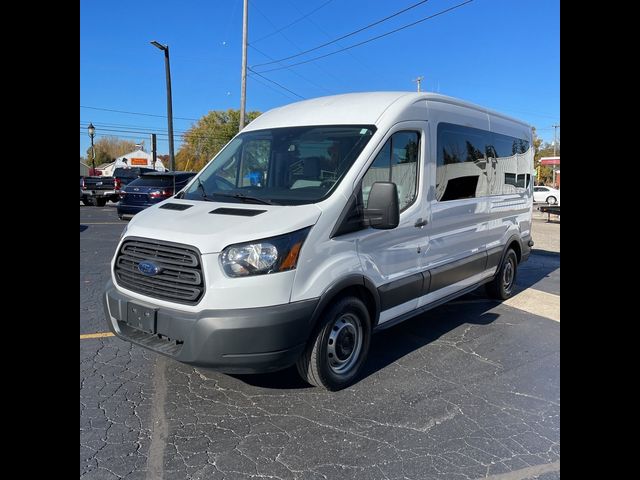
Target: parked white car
(546, 195)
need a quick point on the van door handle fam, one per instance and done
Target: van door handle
(420, 223)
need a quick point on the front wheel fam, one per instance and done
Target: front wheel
(501, 287)
(551, 200)
(338, 347)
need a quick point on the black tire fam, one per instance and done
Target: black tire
(338, 346)
(501, 287)
(87, 202)
(552, 200)
(101, 202)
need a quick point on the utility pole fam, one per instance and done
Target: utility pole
(243, 85)
(153, 148)
(418, 80)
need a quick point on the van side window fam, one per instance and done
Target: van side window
(462, 162)
(397, 162)
(475, 163)
(511, 157)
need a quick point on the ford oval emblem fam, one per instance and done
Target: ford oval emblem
(149, 268)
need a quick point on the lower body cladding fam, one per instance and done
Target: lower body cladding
(250, 340)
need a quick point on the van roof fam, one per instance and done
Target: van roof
(365, 108)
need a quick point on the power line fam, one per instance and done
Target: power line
(158, 130)
(275, 83)
(294, 22)
(121, 136)
(124, 128)
(442, 12)
(324, 32)
(293, 71)
(141, 133)
(295, 45)
(257, 79)
(345, 36)
(136, 113)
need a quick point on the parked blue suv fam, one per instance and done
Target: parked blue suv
(149, 189)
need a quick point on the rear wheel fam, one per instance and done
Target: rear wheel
(551, 200)
(101, 202)
(501, 287)
(338, 347)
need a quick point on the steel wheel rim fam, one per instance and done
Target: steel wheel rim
(344, 343)
(508, 275)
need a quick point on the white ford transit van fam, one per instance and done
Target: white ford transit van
(321, 223)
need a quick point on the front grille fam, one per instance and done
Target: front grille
(179, 280)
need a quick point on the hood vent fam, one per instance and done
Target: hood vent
(242, 212)
(176, 206)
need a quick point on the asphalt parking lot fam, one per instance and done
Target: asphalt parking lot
(468, 390)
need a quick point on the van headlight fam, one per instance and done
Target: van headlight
(271, 255)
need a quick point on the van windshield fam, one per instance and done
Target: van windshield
(282, 166)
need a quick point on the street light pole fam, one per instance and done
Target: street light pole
(92, 133)
(165, 49)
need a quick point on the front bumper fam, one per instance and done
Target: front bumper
(249, 340)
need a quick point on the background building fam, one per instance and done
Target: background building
(137, 158)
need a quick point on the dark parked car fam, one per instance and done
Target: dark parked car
(149, 189)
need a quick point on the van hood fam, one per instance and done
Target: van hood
(193, 223)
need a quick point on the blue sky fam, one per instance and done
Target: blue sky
(503, 54)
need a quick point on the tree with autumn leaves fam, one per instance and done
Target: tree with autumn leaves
(543, 150)
(207, 137)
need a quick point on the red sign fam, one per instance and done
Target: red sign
(550, 161)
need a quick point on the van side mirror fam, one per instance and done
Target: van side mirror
(383, 211)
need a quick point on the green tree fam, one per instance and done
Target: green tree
(207, 137)
(108, 149)
(543, 150)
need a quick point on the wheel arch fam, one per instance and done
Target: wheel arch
(356, 285)
(514, 242)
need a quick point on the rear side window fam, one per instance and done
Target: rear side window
(153, 182)
(474, 163)
(397, 162)
(131, 172)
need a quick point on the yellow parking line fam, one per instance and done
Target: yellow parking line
(96, 335)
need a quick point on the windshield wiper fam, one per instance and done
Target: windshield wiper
(244, 198)
(201, 187)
